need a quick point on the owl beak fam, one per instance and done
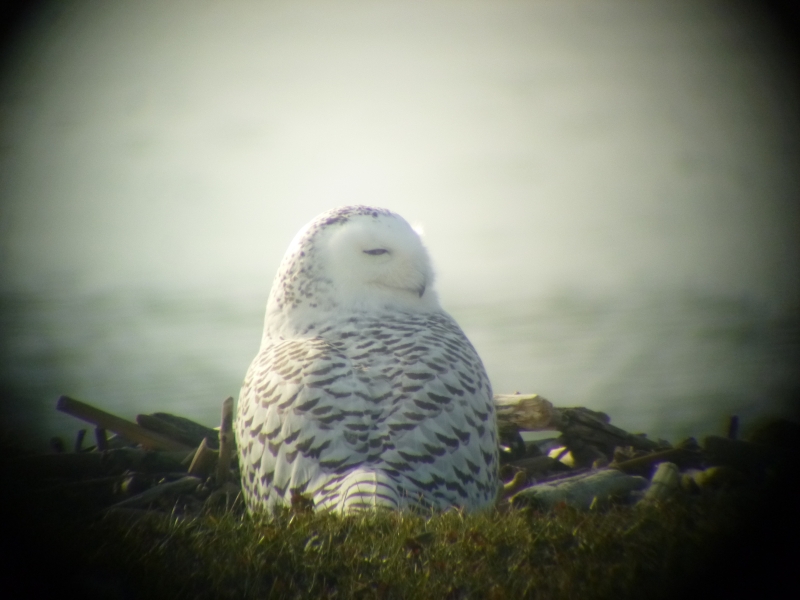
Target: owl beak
(421, 290)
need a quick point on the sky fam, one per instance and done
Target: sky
(598, 146)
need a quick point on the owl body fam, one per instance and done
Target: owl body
(364, 393)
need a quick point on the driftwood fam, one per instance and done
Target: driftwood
(585, 437)
(512, 487)
(120, 480)
(226, 496)
(580, 491)
(79, 440)
(104, 420)
(587, 434)
(226, 442)
(528, 412)
(643, 464)
(664, 484)
(525, 412)
(204, 460)
(594, 428)
(712, 477)
(179, 429)
(101, 439)
(536, 467)
(173, 488)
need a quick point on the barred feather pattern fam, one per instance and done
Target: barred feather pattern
(364, 393)
(389, 411)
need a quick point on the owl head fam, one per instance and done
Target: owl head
(353, 258)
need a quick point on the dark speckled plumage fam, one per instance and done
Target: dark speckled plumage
(364, 403)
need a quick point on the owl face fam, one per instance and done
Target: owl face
(350, 259)
(377, 262)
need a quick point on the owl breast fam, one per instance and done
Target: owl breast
(390, 410)
(364, 393)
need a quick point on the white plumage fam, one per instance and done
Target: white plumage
(364, 393)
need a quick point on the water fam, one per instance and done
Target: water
(609, 193)
(671, 367)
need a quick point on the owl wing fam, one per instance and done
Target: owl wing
(405, 421)
(444, 441)
(302, 420)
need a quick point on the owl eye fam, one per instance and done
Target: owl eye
(376, 251)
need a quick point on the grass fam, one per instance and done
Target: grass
(718, 542)
(657, 551)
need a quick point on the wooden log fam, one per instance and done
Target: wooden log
(183, 485)
(79, 440)
(512, 487)
(587, 433)
(101, 439)
(193, 428)
(227, 495)
(204, 460)
(537, 466)
(179, 429)
(134, 483)
(226, 441)
(132, 431)
(527, 412)
(580, 491)
(664, 484)
(584, 450)
(594, 427)
(643, 464)
(713, 477)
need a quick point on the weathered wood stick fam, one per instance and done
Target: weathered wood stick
(203, 461)
(226, 441)
(79, 440)
(529, 412)
(100, 438)
(161, 427)
(642, 463)
(581, 490)
(180, 486)
(179, 429)
(132, 431)
(229, 492)
(594, 427)
(512, 487)
(664, 483)
(537, 465)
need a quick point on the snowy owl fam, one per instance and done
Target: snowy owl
(364, 392)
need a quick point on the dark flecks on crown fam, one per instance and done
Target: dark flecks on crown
(299, 270)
